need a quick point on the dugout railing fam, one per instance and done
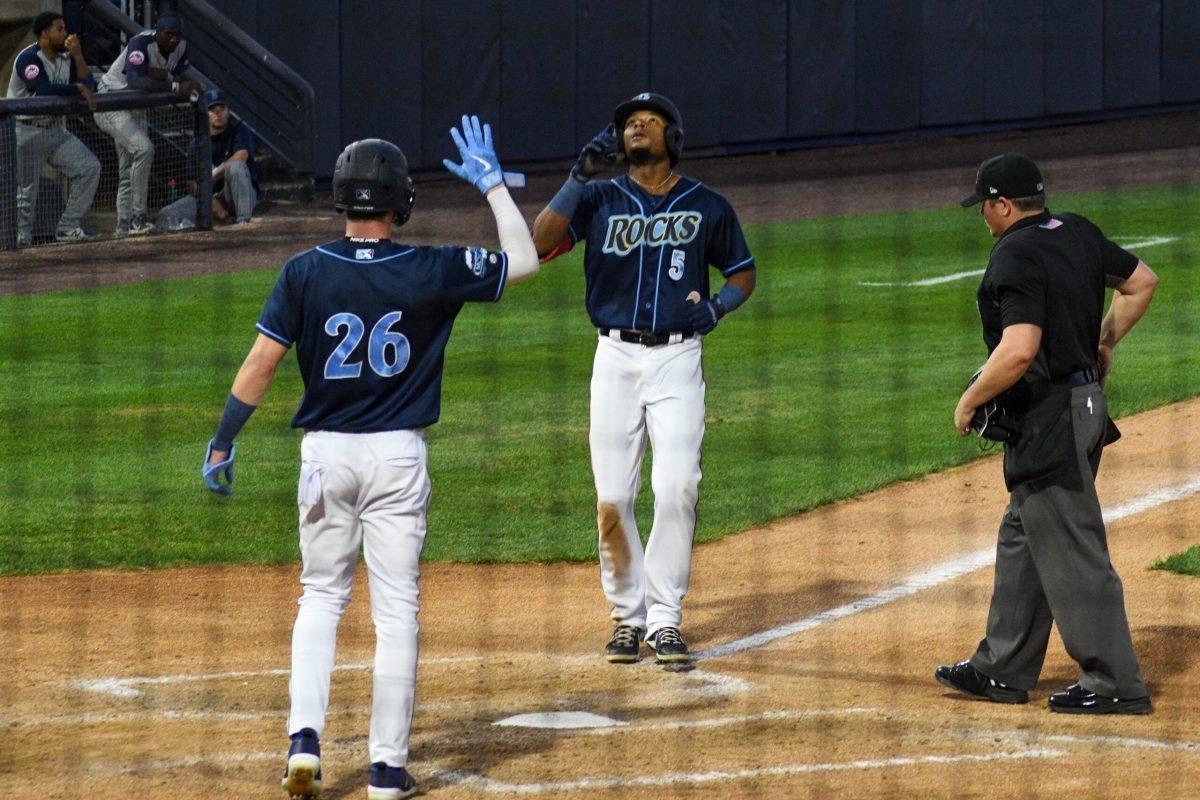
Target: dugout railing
(178, 129)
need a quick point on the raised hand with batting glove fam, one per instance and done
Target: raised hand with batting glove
(480, 165)
(602, 150)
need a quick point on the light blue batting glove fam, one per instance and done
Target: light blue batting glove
(479, 163)
(212, 474)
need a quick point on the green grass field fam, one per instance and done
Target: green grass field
(819, 389)
(1185, 563)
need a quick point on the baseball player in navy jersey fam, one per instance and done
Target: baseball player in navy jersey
(153, 61)
(51, 66)
(652, 235)
(369, 319)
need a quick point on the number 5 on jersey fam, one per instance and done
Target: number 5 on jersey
(388, 351)
(676, 270)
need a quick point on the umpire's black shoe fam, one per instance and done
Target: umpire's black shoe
(1078, 700)
(669, 647)
(624, 646)
(964, 678)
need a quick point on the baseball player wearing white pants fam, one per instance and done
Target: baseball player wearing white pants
(652, 236)
(370, 319)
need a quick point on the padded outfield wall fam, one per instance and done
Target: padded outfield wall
(754, 74)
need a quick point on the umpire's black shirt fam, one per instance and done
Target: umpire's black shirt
(1051, 270)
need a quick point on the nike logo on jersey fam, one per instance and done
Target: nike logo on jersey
(626, 232)
(486, 164)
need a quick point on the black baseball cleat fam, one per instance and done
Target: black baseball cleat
(669, 647)
(962, 677)
(1078, 700)
(302, 775)
(389, 783)
(624, 645)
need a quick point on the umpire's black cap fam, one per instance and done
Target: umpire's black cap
(660, 104)
(1009, 175)
(371, 175)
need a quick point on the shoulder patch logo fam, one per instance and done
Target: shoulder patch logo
(364, 253)
(137, 58)
(477, 261)
(32, 71)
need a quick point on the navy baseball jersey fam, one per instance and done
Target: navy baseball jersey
(370, 320)
(646, 253)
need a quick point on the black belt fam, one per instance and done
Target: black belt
(645, 338)
(1083, 377)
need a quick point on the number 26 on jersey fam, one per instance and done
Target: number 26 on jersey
(387, 350)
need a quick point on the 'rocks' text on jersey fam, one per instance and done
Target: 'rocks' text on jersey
(627, 231)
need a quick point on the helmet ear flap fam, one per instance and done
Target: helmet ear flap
(404, 203)
(673, 137)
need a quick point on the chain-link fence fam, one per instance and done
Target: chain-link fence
(130, 168)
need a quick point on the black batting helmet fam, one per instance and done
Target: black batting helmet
(371, 175)
(649, 101)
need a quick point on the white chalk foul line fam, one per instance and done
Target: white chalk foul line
(1134, 244)
(671, 778)
(127, 687)
(930, 577)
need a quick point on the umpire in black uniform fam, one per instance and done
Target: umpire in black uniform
(1049, 352)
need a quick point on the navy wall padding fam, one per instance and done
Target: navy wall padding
(821, 67)
(460, 71)
(887, 65)
(1013, 43)
(954, 54)
(1180, 51)
(743, 72)
(537, 80)
(376, 104)
(687, 44)
(753, 78)
(1074, 56)
(613, 60)
(1132, 49)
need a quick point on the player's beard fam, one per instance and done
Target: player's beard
(640, 156)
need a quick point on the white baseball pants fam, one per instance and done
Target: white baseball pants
(658, 392)
(373, 489)
(135, 152)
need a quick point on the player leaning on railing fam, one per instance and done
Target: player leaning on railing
(53, 66)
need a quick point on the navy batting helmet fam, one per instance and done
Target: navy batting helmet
(371, 175)
(649, 101)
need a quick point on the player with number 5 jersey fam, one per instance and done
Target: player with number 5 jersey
(369, 319)
(652, 237)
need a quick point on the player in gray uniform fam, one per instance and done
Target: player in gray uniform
(151, 62)
(52, 66)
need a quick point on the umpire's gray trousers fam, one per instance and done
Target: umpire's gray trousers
(35, 146)
(237, 190)
(1052, 566)
(135, 153)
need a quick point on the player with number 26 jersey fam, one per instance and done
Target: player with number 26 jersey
(370, 320)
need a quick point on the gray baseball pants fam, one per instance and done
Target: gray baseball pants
(1053, 566)
(237, 193)
(135, 153)
(35, 146)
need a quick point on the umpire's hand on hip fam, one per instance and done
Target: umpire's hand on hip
(215, 463)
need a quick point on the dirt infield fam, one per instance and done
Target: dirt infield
(894, 176)
(817, 636)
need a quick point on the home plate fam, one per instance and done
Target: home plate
(560, 719)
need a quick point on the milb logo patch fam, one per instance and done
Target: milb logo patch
(478, 260)
(626, 232)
